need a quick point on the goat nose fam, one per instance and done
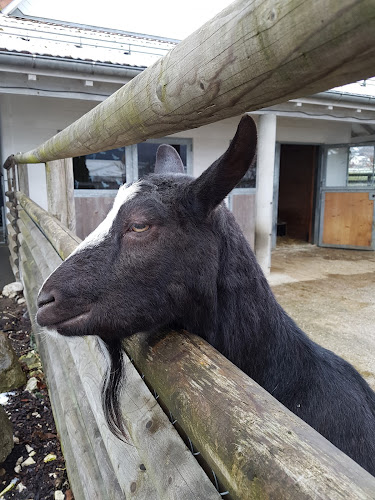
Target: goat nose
(45, 298)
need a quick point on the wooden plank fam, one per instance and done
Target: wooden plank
(60, 191)
(348, 219)
(90, 212)
(257, 447)
(244, 212)
(227, 67)
(12, 233)
(12, 209)
(23, 178)
(43, 254)
(174, 471)
(61, 238)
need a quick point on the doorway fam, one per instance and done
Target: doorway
(297, 191)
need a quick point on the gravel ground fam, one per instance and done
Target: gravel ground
(330, 293)
(36, 465)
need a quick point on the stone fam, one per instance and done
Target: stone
(6, 435)
(49, 458)
(32, 384)
(28, 461)
(31, 360)
(11, 374)
(12, 289)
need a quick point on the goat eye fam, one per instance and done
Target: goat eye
(139, 228)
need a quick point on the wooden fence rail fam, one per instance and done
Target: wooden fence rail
(256, 447)
(252, 55)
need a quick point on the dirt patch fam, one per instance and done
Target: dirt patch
(36, 439)
(331, 296)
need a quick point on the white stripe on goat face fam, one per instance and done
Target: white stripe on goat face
(125, 193)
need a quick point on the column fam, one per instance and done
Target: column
(264, 195)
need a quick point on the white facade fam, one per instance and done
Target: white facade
(41, 93)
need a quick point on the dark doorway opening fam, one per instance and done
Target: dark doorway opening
(297, 188)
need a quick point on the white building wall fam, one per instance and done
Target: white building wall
(28, 121)
(312, 131)
(210, 142)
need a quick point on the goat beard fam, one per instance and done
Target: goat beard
(112, 385)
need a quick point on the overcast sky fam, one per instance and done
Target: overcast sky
(168, 18)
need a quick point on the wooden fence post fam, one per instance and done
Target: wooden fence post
(23, 178)
(60, 191)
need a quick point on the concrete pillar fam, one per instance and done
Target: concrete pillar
(264, 195)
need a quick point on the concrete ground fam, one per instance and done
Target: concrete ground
(330, 294)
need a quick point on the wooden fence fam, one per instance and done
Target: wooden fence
(249, 442)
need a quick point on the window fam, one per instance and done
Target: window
(147, 155)
(350, 166)
(249, 179)
(106, 170)
(361, 166)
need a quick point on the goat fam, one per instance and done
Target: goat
(170, 255)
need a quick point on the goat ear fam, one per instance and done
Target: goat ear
(225, 173)
(168, 160)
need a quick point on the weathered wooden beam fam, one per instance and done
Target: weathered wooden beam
(23, 178)
(250, 56)
(45, 255)
(61, 238)
(12, 232)
(60, 191)
(257, 447)
(11, 207)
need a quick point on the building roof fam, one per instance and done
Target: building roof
(363, 88)
(53, 39)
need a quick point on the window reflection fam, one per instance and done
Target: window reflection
(104, 170)
(361, 165)
(351, 166)
(147, 156)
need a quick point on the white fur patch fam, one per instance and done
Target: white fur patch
(125, 193)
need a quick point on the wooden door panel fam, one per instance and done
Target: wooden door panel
(243, 209)
(90, 212)
(348, 219)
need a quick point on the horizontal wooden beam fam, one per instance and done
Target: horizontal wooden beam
(257, 447)
(250, 56)
(60, 237)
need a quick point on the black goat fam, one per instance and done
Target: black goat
(170, 255)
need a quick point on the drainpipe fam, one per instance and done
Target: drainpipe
(67, 68)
